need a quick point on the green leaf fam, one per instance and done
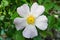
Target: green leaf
(48, 6)
(51, 22)
(46, 33)
(2, 17)
(4, 3)
(4, 12)
(40, 1)
(49, 33)
(43, 34)
(0, 6)
(37, 38)
(56, 7)
(57, 25)
(6, 24)
(14, 15)
(18, 36)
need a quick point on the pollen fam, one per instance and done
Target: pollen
(31, 19)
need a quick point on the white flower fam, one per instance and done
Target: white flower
(31, 18)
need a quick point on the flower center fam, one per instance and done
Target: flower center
(30, 19)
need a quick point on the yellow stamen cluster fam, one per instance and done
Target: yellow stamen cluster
(30, 19)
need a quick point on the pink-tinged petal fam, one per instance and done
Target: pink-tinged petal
(23, 10)
(30, 31)
(37, 10)
(41, 22)
(19, 23)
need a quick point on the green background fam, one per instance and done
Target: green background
(8, 13)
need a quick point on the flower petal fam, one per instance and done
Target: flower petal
(41, 22)
(23, 10)
(37, 10)
(30, 31)
(19, 23)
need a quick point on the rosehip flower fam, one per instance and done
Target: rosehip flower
(31, 18)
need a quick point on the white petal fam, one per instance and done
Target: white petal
(30, 31)
(23, 10)
(37, 10)
(19, 23)
(41, 22)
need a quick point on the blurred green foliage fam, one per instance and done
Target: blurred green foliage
(8, 13)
